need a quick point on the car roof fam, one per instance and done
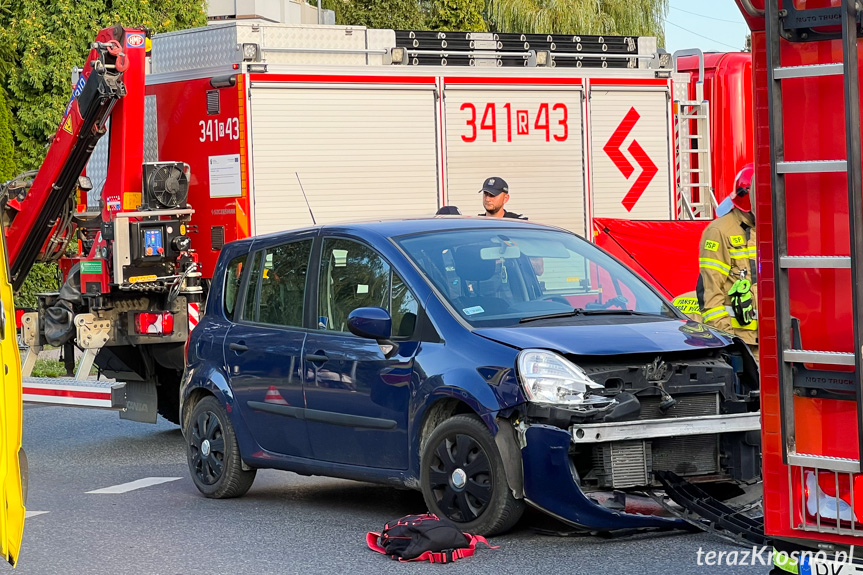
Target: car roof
(397, 227)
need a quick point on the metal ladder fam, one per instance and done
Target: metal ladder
(692, 205)
(695, 200)
(799, 26)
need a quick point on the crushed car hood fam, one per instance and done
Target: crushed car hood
(612, 338)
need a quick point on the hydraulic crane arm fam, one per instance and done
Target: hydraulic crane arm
(98, 91)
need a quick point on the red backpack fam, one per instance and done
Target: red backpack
(424, 538)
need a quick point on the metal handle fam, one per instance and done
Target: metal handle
(316, 358)
(238, 347)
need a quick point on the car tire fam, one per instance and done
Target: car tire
(213, 454)
(463, 478)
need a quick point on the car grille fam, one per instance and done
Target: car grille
(631, 463)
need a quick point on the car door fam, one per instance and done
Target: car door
(263, 347)
(357, 398)
(13, 461)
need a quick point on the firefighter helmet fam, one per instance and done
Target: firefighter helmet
(740, 197)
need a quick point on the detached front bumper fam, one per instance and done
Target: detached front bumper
(550, 482)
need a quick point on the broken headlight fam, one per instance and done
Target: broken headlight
(549, 378)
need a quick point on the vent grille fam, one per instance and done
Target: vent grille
(686, 406)
(212, 102)
(623, 464)
(217, 237)
(687, 456)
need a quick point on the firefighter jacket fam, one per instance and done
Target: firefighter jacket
(727, 254)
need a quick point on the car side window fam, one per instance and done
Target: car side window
(403, 308)
(250, 306)
(233, 275)
(352, 275)
(283, 283)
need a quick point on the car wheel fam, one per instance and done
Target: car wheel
(463, 478)
(212, 452)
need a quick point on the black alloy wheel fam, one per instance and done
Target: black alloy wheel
(463, 478)
(213, 454)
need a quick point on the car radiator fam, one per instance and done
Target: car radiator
(631, 463)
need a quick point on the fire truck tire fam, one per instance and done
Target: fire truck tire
(213, 454)
(168, 394)
(462, 477)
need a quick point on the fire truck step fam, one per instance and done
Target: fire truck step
(815, 262)
(710, 514)
(825, 357)
(81, 393)
(812, 167)
(812, 71)
(824, 462)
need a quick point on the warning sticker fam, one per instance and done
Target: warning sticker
(67, 125)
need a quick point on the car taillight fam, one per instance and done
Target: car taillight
(154, 322)
(828, 496)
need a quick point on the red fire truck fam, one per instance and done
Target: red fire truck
(195, 138)
(809, 207)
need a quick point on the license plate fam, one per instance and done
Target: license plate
(816, 566)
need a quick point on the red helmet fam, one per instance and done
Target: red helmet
(742, 183)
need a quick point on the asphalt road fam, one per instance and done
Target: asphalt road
(286, 523)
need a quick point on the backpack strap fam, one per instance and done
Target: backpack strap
(372, 542)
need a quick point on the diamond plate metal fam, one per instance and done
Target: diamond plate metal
(97, 169)
(284, 44)
(151, 130)
(197, 48)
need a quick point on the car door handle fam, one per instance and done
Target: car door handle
(238, 347)
(313, 357)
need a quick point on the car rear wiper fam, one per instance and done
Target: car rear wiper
(575, 311)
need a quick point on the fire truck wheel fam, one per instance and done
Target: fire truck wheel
(168, 393)
(463, 478)
(212, 452)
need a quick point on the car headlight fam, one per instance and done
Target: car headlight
(551, 379)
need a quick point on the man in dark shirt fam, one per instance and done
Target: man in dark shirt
(495, 193)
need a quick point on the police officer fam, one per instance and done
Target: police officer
(495, 193)
(727, 265)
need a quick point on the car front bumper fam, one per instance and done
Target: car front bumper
(550, 483)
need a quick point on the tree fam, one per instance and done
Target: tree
(618, 17)
(396, 14)
(456, 15)
(49, 37)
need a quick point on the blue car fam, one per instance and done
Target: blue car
(489, 363)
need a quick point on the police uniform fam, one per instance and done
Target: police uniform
(727, 254)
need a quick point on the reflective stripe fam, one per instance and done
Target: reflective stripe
(742, 253)
(752, 326)
(730, 311)
(723, 271)
(714, 263)
(715, 313)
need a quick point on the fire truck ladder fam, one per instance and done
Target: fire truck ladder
(800, 26)
(695, 200)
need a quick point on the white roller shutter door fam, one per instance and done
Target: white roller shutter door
(361, 153)
(629, 141)
(543, 166)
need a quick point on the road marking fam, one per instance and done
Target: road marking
(138, 484)
(30, 514)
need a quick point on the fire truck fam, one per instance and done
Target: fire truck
(809, 207)
(195, 138)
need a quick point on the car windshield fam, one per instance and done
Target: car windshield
(500, 277)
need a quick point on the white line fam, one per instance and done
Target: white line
(30, 514)
(138, 484)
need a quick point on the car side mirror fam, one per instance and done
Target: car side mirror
(374, 323)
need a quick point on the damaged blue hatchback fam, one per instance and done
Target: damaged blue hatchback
(488, 363)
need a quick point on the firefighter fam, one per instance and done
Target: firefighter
(727, 265)
(495, 193)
